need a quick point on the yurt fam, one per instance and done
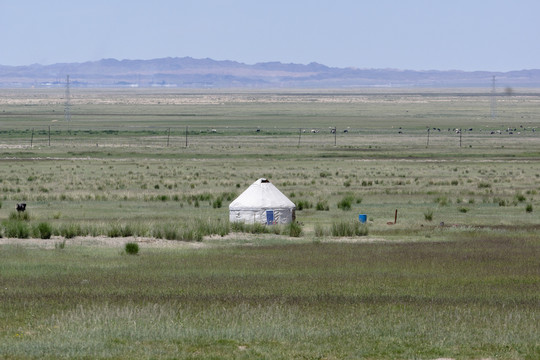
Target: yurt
(262, 203)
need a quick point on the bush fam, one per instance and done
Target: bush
(132, 248)
(44, 230)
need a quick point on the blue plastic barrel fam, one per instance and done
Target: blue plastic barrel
(362, 218)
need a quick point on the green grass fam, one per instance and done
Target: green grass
(456, 276)
(470, 298)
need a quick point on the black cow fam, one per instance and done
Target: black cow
(21, 207)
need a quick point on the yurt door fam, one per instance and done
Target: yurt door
(269, 217)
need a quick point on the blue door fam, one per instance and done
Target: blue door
(269, 217)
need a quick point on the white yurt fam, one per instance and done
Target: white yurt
(262, 203)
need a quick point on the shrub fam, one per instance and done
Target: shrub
(132, 248)
(520, 197)
(463, 210)
(529, 208)
(44, 230)
(428, 215)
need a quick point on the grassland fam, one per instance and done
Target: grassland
(457, 275)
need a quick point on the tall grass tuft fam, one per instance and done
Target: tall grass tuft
(349, 228)
(43, 230)
(322, 205)
(16, 215)
(320, 230)
(132, 248)
(16, 229)
(293, 229)
(303, 204)
(256, 228)
(428, 215)
(346, 203)
(70, 230)
(191, 231)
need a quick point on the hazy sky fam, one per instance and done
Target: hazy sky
(492, 35)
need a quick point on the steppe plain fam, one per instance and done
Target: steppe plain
(456, 276)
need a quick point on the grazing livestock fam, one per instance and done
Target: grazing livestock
(21, 207)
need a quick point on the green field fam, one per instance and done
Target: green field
(457, 276)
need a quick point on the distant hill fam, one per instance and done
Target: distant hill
(187, 72)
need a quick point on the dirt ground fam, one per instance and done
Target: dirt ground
(145, 242)
(101, 241)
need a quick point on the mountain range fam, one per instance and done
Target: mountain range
(187, 72)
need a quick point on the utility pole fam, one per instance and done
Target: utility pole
(67, 102)
(493, 99)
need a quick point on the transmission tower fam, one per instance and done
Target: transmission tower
(493, 100)
(67, 107)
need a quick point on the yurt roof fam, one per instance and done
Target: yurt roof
(262, 194)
